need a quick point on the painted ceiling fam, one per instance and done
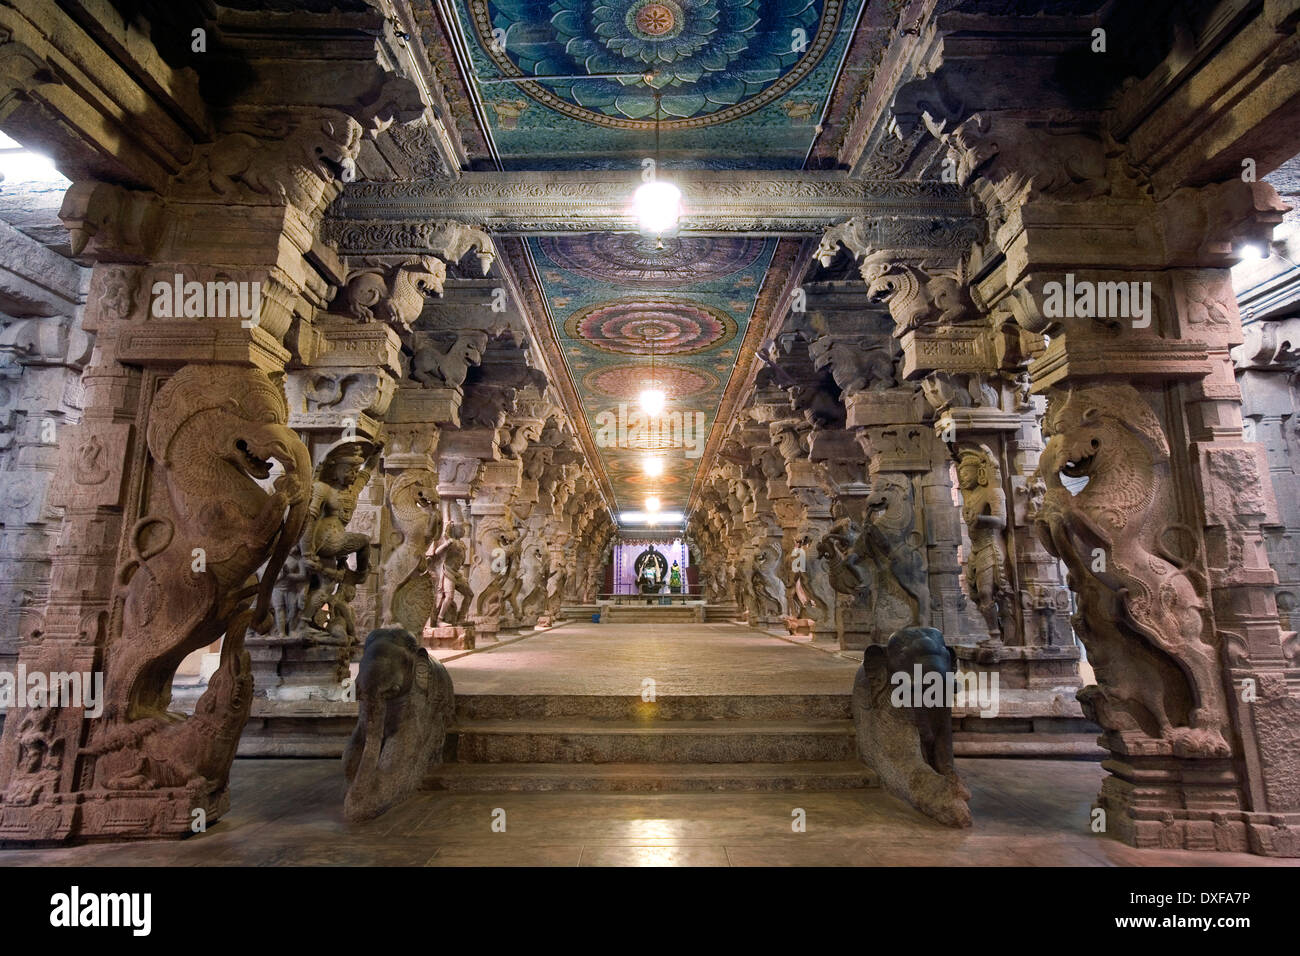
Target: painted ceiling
(616, 299)
(743, 83)
(578, 84)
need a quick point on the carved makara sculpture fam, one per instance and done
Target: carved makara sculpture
(1140, 611)
(405, 701)
(840, 550)
(891, 545)
(910, 746)
(435, 367)
(503, 564)
(393, 293)
(853, 367)
(984, 509)
(765, 579)
(917, 298)
(408, 594)
(536, 576)
(213, 433)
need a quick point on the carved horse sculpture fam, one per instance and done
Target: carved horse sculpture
(213, 433)
(1140, 611)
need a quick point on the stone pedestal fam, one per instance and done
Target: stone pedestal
(449, 637)
(800, 626)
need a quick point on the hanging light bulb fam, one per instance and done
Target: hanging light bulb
(652, 401)
(653, 467)
(652, 505)
(658, 206)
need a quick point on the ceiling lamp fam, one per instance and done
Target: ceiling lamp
(657, 203)
(658, 206)
(653, 467)
(652, 401)
(652, 504)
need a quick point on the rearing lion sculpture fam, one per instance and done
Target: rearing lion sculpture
(213, 433)
(1141, 617)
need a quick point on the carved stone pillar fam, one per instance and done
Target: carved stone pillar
(43, 359)
(1266, 374)
(1151, 496)
(338, 405)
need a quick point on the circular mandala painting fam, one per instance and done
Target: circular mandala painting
(642, 326)
(631, 259)
(627, 381)
(711, 61)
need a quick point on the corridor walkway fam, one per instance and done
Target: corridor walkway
(682, 659)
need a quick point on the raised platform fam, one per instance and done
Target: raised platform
(643, 613)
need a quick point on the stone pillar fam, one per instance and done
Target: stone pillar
(337, 404)
(1266, 374)
(1152, 498)
(183, 486)
(43, 359)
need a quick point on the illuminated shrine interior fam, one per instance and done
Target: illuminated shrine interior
(649, 419)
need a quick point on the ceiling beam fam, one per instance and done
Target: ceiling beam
(726, 202)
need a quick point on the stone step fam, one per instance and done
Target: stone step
(651, 777)
(792, 707)
(722, 613)
(577, 740)
(652, 614)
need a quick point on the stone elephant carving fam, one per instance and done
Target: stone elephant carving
(910, 747)
(406, 701)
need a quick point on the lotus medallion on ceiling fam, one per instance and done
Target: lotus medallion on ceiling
(555, 75)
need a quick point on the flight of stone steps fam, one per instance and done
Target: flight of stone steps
(677, 744)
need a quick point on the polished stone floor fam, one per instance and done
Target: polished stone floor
(682, 659)
(289, 813)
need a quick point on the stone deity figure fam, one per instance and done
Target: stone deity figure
(800, 591)
(334, 499)
(287, 599)
(447, 571)
(327, 544)
(984, 509)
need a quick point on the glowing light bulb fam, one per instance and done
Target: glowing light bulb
(658, 206)
(652, 401)
(1251, 253)
(653, 467)
(652, 504)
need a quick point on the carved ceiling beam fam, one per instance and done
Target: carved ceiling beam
(770, 203)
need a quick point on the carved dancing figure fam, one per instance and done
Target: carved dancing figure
(447, 569)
